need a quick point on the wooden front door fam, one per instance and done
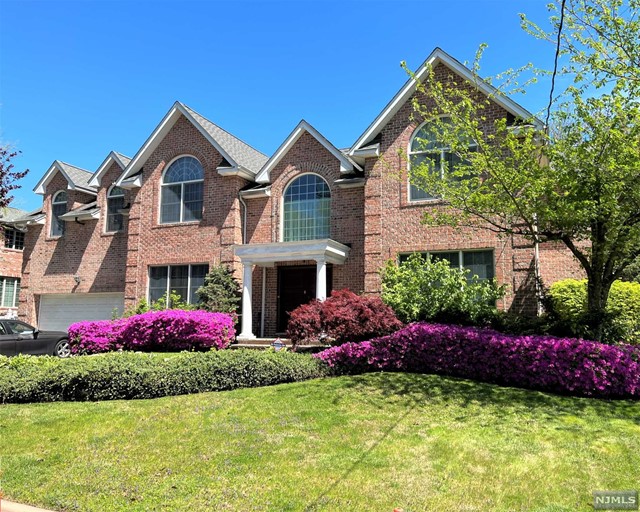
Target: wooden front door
(296, 286)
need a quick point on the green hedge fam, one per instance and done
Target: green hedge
(622, 323)
(126, 375)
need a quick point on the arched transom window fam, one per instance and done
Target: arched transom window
(307, 209)
(115, 204)
(426, 145)
(58, 208)
(182, 191)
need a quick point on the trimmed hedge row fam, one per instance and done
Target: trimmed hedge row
(127, 375)
(561, 365)
(169, 330)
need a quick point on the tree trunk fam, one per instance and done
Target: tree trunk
(597, 294)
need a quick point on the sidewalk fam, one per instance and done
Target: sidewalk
(9, 506)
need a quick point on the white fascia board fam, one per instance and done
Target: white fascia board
(74, 216)
(130, 183)
(48, 176)
(346, 164)
(236, 171)
(266, 254)
(97, 176)
(159, 134)
(253, 194)
(438, 56)
(350, 183)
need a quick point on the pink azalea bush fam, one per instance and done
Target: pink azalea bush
(562, 365)
(168, 330)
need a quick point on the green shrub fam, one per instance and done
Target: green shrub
(220, 292)
(568, 300)
(127, 375)
(173, 301)
(426, 289)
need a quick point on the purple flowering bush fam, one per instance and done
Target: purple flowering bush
(562, 365)
(168, 330)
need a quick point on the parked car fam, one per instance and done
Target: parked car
(16, 337)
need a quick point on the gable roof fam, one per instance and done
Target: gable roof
(438, 56)
(77, 178)
(9, 214)
(241, 157)
(347, 165)
(112, 157)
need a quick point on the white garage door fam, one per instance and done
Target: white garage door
(58, 312)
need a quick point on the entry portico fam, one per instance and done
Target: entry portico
(322, 251)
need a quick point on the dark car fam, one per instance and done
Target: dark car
(16, 337)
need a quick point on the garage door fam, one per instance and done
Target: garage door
(58, 312)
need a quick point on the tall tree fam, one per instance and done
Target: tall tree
(8, 175)
(577, 180)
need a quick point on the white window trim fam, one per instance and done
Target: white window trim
(106, 216)
(460, 252)
(14, 233)
(168, 290)
(410, 153)
(284, 192)
(181, 183)
(54, 202)
(16, 284)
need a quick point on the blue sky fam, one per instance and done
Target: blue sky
(78, 79)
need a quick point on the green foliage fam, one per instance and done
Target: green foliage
(175, 302)
(126, 375)
(622, 312)
(632, 272)
(220, 292)
(426, 289)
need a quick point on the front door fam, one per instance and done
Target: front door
(296, 286)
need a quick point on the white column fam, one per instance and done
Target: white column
(247, 330)
(321, 279)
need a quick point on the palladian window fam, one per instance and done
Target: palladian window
(115, 204)
(182, 191)
(58, 208)
(307, 209)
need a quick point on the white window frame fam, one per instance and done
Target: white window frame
(16, 286)
(106, 220)
(284, 192)
(442, 150)
(54, 218)
(182, 184)
(168, 290)
(461, 253)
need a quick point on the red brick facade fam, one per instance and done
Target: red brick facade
(376, 221)
(10, 268)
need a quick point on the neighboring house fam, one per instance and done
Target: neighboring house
(295, 225)
(10, 261)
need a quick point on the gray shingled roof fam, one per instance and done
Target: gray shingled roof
(243, 154)
(79, 177)
(124, 159)
(9, 214)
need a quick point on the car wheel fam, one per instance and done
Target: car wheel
(62, 349)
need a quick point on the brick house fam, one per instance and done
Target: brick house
(307, 219)
(11, 248)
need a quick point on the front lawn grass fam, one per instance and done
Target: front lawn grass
(370, 442)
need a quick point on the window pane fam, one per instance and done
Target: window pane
(157, 283)
(452, 257)
(18, 240)
(57, 224)
(179, 281)
(480, 263)
(198, 273)
(115, 220)
(186, 168)
(307, 209)
(417, 193)
(170, 204)
(192, 201)
(9, 293)
(9, 237)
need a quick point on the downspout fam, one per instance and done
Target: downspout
(244, 219)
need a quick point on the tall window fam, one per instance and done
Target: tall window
(10, 290)
(479, 263)
(115, 203)
(307, 209)
(13, 239)
(58, 208)
(182, 191)
(181, 279)
(427, 146)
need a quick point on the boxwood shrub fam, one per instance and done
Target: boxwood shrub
(562, 365)
(126, 375)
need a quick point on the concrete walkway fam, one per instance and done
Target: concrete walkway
(9, 506)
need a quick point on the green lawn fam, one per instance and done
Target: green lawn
(370, 442)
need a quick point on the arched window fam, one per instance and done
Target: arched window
(426, 145)
(307, 209)
(58, 208)
(115, 203)
(182, 191)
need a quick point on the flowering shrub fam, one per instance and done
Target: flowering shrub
(343, 316)
(562, 365)
(155, 330)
